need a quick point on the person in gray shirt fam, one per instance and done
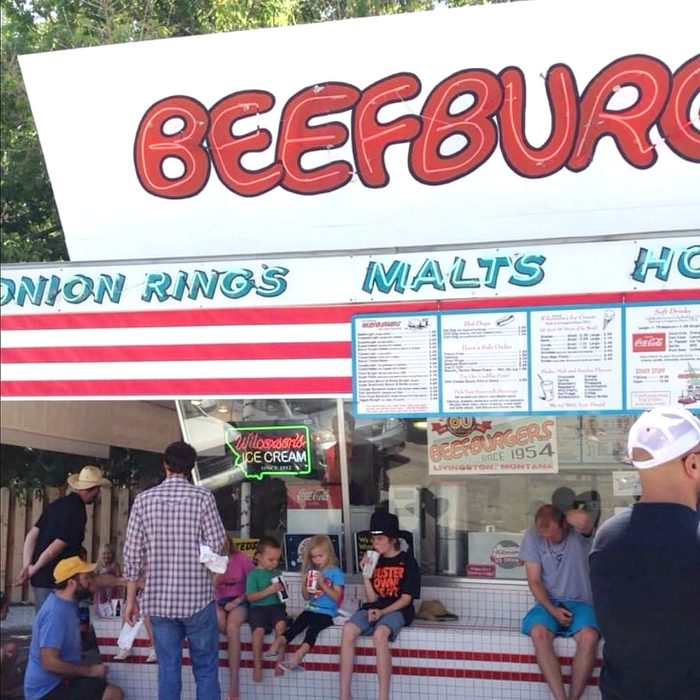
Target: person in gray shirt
(555, 553)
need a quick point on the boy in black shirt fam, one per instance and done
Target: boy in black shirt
(389, 592)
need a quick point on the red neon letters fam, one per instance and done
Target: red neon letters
(180, 128)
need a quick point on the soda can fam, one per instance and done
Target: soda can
(372, 559)
(312, 581)
(283, 593)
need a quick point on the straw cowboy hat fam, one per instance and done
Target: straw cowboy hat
(434, 610)
(88, 478)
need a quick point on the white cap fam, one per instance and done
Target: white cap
(666, 433)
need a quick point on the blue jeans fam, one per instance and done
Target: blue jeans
(202, 633)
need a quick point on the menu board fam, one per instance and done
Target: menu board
(593, 359)
(484, 362)
(576, 359)
(396, 364)
(663, 358)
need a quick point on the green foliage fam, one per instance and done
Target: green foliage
(28, 471)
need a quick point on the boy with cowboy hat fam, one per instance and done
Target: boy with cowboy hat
(59, 532)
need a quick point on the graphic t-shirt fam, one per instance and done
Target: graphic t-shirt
(323, 603)
(392, 577)
(259, 579)
(233, 580)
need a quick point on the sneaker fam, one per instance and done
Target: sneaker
(151, 658)
(288, 667)
(122, 654)
(269, 654)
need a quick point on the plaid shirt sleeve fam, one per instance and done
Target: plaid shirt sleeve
(213, 532)
(135, 544)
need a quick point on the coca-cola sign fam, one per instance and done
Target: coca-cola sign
(313, 495)
(648, 342)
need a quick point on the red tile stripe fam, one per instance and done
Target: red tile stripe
(435, 672)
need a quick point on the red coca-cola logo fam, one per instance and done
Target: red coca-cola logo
(648, 342)
(314, 496)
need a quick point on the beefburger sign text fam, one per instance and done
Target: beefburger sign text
(531, 120)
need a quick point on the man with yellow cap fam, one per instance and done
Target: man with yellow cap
(59, 532)
(54, 670)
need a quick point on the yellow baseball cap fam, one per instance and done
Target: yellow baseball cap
(70, 567)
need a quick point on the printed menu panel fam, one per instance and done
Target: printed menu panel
(396, 364)
(663, 355)
(576, 362)
(594, 359)
(484, 362)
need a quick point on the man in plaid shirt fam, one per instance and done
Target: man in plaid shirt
(166, 526)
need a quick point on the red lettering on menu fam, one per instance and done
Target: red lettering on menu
(462, 121)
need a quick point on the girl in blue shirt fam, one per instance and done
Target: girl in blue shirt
(321, 607)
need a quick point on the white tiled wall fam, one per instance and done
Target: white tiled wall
(429, 660)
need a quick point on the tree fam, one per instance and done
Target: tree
(29, 222)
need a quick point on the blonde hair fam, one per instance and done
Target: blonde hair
(318, 542)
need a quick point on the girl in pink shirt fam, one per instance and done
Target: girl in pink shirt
(232, 609)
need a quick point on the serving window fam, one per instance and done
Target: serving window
(465, 489)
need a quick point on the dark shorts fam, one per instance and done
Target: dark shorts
(83, 688)
(266, 616)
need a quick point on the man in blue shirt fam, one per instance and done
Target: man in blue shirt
(54, 670)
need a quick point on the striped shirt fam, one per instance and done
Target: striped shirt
(166, 525)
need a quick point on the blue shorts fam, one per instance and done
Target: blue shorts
(394, 621)
(583, 616)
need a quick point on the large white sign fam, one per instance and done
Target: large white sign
(515, 122)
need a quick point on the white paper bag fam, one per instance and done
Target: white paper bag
(214, 562)
(127, 634)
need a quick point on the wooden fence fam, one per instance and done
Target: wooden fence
(106, 523)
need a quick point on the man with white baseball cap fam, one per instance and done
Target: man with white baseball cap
(645, 567)
(59, 532)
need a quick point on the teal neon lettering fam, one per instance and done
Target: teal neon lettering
(157, 284)
(646, 261)
(493, 266)
(431, 274)
(384, 280)
(457, 279)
